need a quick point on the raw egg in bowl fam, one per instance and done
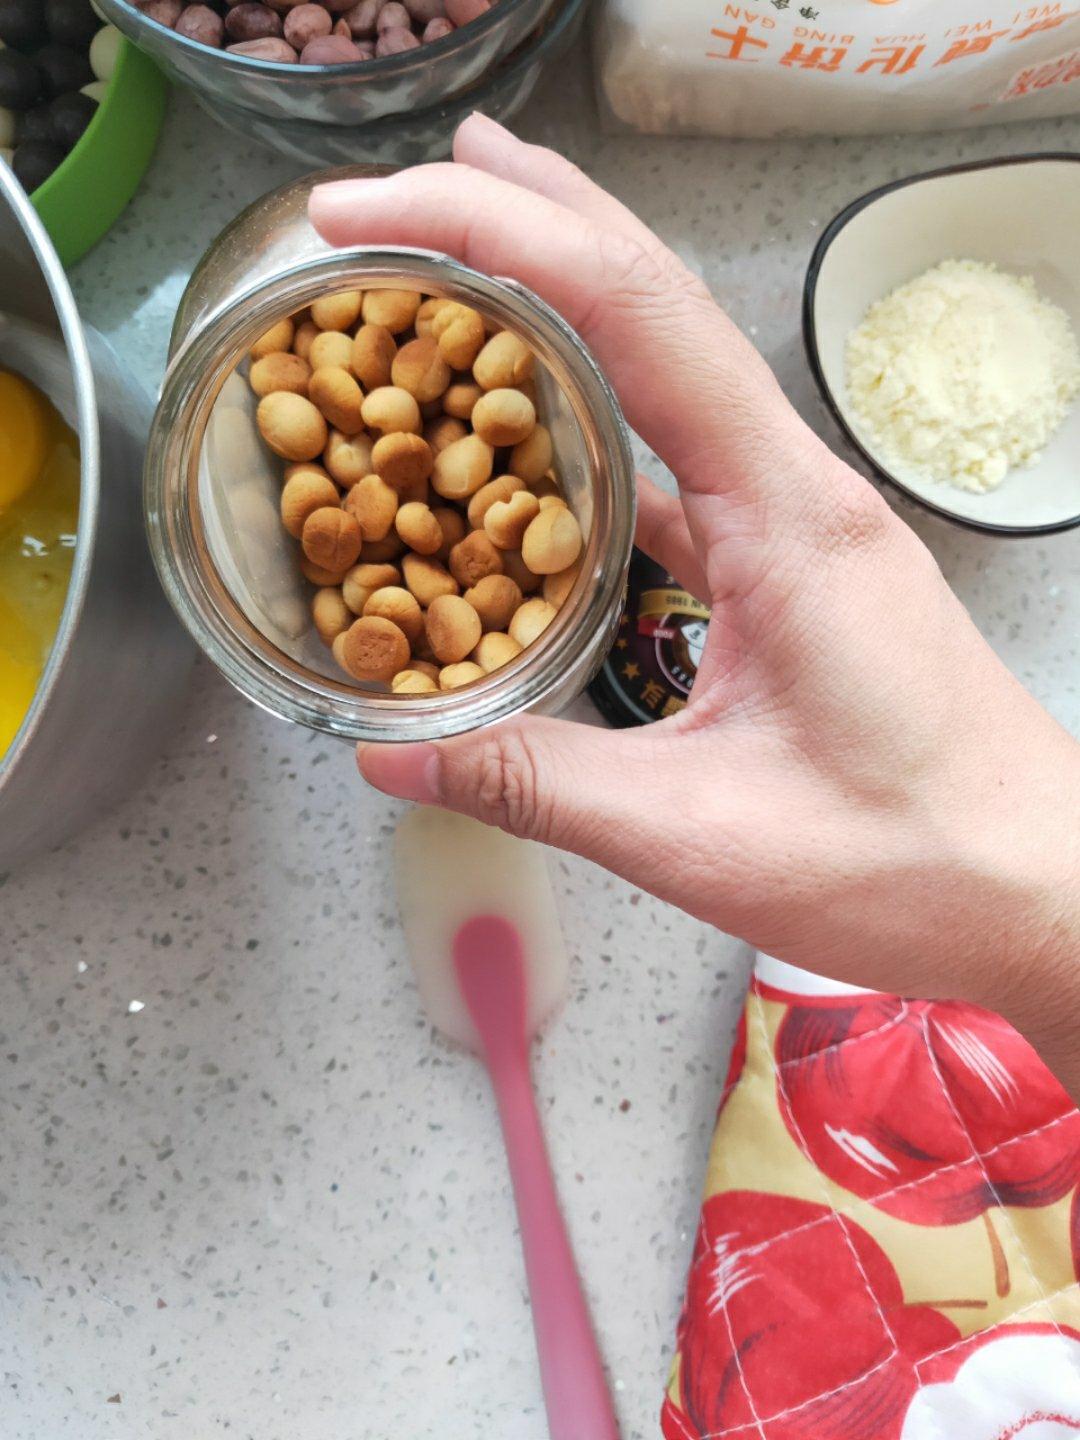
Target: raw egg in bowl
(39, 507)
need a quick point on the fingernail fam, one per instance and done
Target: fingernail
(355, 185)
(495, 131)
(411, 772)
(338, 196)
(477, 117)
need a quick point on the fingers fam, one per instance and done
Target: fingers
(662, 532)
(691, 385)
(486, 145)
(575, 786)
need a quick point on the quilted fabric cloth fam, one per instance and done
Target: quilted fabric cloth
(889, 1246)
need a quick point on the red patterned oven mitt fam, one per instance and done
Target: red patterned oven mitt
(889, 1247)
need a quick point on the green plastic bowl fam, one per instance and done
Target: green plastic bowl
(85, 195)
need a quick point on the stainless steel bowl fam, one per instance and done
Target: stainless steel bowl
(342, 95)
(119, 663)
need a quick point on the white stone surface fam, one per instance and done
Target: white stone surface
(268, 1204)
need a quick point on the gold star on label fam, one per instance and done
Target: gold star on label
(631, 672)
(620, 644)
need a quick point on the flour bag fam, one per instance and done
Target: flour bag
(835, 67)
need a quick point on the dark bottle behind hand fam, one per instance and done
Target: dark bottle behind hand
(651, 667)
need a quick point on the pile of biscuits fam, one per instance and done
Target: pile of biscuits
(418, 483)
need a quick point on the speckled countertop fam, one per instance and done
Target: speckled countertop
(267, 1204)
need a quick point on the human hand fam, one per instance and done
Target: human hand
(858, 785)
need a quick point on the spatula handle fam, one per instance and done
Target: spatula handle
(571, 1370)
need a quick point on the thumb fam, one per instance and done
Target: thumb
(574, 786)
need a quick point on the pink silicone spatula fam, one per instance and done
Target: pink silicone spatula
(483, 934)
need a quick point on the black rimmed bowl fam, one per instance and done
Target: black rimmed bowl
(1021, 213)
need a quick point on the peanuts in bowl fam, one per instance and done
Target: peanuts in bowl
(313, 32)
(418, 483)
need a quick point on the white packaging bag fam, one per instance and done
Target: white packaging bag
(835, 67)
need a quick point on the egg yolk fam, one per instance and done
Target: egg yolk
(22, 437)
(39, 506)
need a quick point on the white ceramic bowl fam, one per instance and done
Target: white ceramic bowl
(1023, 214)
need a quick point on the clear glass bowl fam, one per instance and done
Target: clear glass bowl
(212, 488)
(343, 95)
(417, 136)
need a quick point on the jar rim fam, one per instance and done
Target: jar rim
(564, 656)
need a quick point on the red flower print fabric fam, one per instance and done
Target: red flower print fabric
(769, 1273)
(926, 1108)
(889, 1247)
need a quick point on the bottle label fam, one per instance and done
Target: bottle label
(661, 636)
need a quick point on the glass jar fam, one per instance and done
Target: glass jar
(212, 487)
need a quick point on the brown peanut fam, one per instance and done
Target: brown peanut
(269, 48)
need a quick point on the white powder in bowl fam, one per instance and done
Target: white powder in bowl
(962, 373)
